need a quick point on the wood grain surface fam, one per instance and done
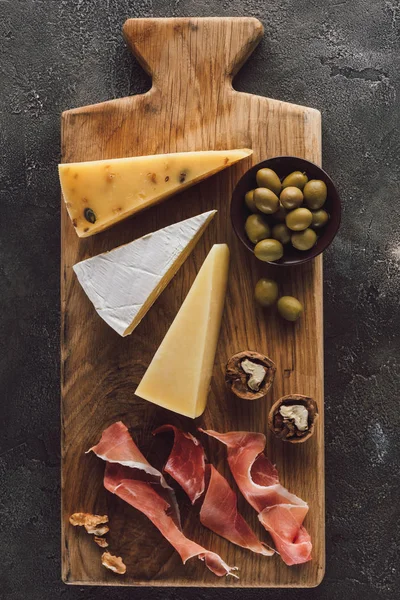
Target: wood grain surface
(191, 106)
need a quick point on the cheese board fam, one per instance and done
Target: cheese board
(191, 107)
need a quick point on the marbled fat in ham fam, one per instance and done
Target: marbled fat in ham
(280, 512)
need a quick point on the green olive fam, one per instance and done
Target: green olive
(266, 201)
(266, 292)
(256, 228)
(268, 250)
(289, 308)
(319, 219)
(295, 179)
(299, 219)
(315, 192)
(281, 233)
(249, 199)
(291, 197)
(267, 178)
(304, 240)
(280, 215)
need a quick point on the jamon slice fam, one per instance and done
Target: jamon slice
(186, 464)
(220, 514)
(129, 475)
(117, 446)
(280, 512)
(141, 495)
(280, 521)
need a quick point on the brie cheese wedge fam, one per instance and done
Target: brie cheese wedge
(124, 283)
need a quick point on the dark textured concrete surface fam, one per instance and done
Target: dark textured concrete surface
(339, 56)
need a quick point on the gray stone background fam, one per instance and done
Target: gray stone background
(341, 57)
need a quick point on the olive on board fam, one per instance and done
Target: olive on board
(268, 250)
(315, 192)
(256, 228)
(249, 199)
(280, 215)
(267, 178)
(289, 308)
(319, 218)
(299, 219)
(266, 201)
(295, 179)
(304, 240)
(291, 197)
(266, 292)
(281, 233)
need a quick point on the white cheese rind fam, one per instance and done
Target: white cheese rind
(178, 377)
(124, 283)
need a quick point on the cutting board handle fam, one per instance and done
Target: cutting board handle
(186, 51)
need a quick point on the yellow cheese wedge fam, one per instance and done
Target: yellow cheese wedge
(178, 377)
(100, 193)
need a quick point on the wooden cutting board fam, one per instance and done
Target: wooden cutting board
(191, 106)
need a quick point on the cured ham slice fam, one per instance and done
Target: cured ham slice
(220, 514)
(186, 464)
(117, 446)
(293, 542)
(141, 495)
(124, 476)
(280, 512)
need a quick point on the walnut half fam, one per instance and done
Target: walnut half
(87, 520)
(292, 418)
(114, 563)
(249, 374)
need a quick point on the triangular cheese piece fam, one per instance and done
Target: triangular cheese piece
(179, 375)
(100, 193)
(125, 282)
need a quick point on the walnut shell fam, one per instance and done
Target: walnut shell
(236, 379)
(285, 431)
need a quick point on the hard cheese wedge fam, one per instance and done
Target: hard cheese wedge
(100, 193)
(178, 377)
(124, 283)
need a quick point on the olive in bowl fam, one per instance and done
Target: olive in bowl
(319, 215)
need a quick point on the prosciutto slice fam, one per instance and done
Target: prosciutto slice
(117, 446)
(280, 512)
(220, 514)
(186, 464)
(129, 475)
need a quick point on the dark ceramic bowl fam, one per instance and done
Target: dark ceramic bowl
(283, 165)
